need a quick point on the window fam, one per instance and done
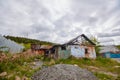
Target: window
(53, 51)
(86, 50)
(76, 47)
(63, 47)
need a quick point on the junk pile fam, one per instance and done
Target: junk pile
(63, 72)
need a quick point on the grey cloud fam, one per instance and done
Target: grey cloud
(116, 30)
(117, 24)
(41, 27)
(103, 40)
(109, 34)
(42, 19)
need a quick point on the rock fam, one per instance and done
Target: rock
(36, 65)
(75, 65)
(17, 78)
(63, 72)
(93, 67)
(9, 76)
(33, 63)
(116, 66)
(3, 74)
(24, 78)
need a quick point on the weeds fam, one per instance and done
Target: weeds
(104, 76)
(17, 65)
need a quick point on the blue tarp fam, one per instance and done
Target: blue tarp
(112, 55)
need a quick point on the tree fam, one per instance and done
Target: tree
(97, 47)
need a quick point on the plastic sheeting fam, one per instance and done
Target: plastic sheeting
(111, 55)
(10, 46)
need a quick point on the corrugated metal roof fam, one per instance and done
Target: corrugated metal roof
(37, 46)
(110, 48)
(79, 40)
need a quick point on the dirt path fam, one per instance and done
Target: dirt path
(96, 69)
(116, 59)
(107, 73)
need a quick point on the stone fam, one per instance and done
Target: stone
(24, 78)
(63, 72)
(3, 74)
(17, 78)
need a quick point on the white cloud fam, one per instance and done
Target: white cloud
(59, 21)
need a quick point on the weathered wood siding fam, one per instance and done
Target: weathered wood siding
(64, 54)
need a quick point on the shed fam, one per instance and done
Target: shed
(59, 52)
(110, 51)
(39, 49)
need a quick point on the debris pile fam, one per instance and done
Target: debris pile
(63, 72)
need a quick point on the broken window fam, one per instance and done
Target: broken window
(53, 51)
(86, 50)
(76, 47)
(63, 47)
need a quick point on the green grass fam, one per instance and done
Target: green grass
(118, 47)
(20, 66)
(103, 76)
(26, 46)
(17, 66)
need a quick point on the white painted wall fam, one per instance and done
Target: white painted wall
(92, 53)
(77, 51)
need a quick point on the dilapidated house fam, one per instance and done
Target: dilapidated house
(59, 52)
(40, 49)
(81, 46)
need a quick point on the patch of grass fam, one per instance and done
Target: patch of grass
(18, 65)
(102, 76)
(27, 46)
(118, 78)
(3, 78)
(118, 46)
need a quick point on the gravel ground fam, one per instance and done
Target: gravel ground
(63, 72)
(36, 64)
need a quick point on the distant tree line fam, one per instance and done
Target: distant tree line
(118, 46)
(27, 40)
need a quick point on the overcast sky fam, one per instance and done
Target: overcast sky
(61, 20)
